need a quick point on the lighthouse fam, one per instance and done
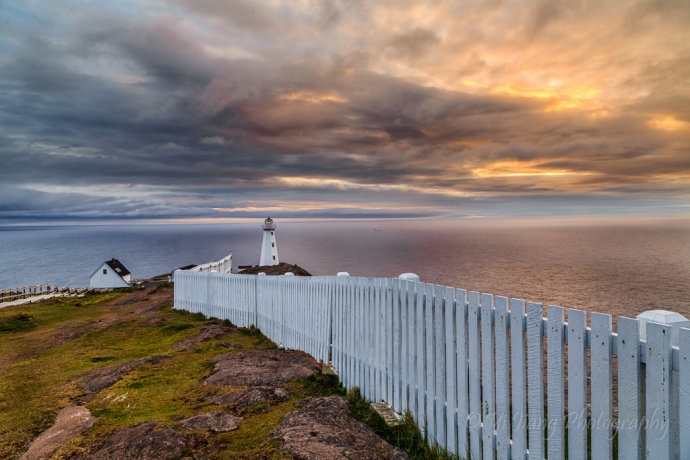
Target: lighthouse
(269, 250)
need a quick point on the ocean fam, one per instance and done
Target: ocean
(618, 267)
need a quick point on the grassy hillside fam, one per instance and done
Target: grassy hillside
(49, 351)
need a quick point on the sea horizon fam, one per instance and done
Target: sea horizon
(614, 265)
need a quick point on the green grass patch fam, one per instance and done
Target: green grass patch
(17, 322)
(405, 436)
(40, 368)
(49, 349)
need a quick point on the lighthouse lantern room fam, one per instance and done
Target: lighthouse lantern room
(269, 249)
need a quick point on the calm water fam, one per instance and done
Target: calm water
(622, 268)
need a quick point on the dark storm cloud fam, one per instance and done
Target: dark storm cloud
(185, 108)
(414, 44)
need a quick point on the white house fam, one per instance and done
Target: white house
(112, 274)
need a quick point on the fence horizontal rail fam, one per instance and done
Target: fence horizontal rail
(11, 294)
(482, 375)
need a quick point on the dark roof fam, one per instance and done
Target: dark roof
(118, 267)
(187, 267)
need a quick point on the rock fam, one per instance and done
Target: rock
(324, 428)
(244, 399)
(281, 394)
(280, 269)
(256, 368)
(218, 422)
(70, 422)
(208, 332)
(144, 442)
(105, 377)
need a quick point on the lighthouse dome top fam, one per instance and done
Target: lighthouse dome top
(269, 224)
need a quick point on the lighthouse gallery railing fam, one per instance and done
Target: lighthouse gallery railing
(472, 368)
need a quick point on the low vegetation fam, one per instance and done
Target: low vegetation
(50, 348)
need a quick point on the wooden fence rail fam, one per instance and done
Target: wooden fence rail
(12, 294)
(471, 368)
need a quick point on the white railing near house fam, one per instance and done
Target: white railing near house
(484, 376)
(12, 294)
(223, 265)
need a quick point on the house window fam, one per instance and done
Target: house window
(273, 245)
(274, 257)
(105, 271)
(271, 233)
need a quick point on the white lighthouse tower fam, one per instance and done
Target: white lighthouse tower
(269, 249)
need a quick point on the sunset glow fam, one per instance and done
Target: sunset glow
(188, 110)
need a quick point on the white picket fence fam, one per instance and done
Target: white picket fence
(223, 265)
(472, 368)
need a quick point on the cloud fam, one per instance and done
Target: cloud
(418, 107)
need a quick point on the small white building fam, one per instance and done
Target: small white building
(112, 274)
(269, 248)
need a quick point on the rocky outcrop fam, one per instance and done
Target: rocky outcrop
(142, 442)
(70, 421)
(261, 368)
(103, 378)
(218, 422)
(280, 269)
(208, 332)
(323, 428)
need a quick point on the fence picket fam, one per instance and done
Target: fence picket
(350, 324)
(535, 377)
(601, 386)
(630, 443)
(440, 365)
(488, 374)
(684, 393)
(408, 294)
(359, 345)
(658, 385)
(555, 383)
(502, 321)
(420, 335)
(372, 316)
(378, 347)
(396, 376)
(474, 375)
(577, 384)
(391, 334)
(381, 347)
(519, 379)
(429, 358)
(462, 369)
(451, 373)
(336, 337)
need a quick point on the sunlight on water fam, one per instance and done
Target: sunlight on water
(619, 267)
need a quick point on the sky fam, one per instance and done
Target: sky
(211, 109)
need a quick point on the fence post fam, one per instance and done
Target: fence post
(684, 396)
(659, 329)
(409, 277)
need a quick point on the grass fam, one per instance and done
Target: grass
(17, 322)
(405, 436)
(49, 347)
